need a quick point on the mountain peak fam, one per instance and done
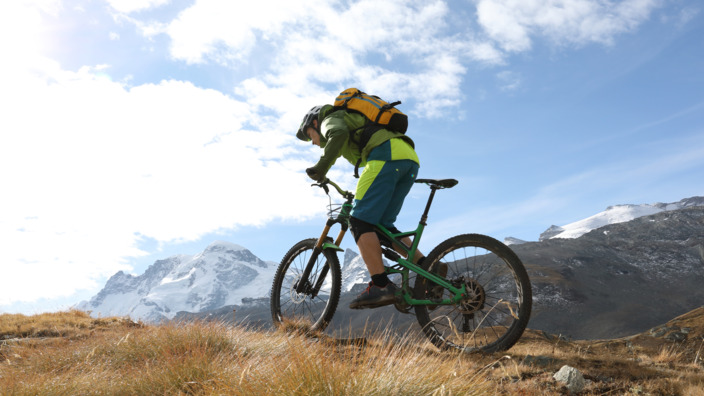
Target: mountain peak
(223, 246)
(513, 241)
(613, 215)
(223, 274)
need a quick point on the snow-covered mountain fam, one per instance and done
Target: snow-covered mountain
(614, 215)
(223, 274)
(354, 271)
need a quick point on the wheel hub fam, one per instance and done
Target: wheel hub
(475, 298)
(297, 298)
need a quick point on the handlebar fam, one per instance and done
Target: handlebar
(324, 185)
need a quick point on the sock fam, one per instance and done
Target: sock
(380, 280)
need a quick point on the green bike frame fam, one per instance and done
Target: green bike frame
(406, 265)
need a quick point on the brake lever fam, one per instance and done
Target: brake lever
(322, 185)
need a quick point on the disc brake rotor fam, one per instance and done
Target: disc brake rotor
(476, 296)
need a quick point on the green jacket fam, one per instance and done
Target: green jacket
(335, 127)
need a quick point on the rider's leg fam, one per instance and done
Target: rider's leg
(380, 291)
(370, 248)
(380, 192)
(374, 191)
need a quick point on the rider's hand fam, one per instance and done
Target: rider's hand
(313, 174)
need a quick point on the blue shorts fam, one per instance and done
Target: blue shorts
(381, 189)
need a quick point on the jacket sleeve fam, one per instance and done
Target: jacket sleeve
(336, 133)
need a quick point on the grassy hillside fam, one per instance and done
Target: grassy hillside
(69, 353)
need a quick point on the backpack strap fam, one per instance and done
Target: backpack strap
(367, 132)
(384, 108)
(370, 126)
(352, 139)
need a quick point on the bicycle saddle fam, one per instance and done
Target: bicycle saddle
(439, 183)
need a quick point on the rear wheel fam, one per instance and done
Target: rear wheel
(314, 307)
(495, 311)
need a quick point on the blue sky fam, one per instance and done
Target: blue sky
(132, 130)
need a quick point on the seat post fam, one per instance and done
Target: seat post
(424, 217)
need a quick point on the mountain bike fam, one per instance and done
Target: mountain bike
(470, 293)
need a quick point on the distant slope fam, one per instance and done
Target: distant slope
(614, 215)
(619, 279)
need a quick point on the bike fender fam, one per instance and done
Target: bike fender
(328, 245)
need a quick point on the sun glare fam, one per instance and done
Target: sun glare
(21, 28)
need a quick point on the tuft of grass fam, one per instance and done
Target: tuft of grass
(669, 354)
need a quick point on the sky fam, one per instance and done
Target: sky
(134, 130)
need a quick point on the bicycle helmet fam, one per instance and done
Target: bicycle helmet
(311, 115)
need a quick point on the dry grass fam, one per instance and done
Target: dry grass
(70, 353)
(70, 324)
(211, 358)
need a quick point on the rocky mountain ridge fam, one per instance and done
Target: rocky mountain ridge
(613, 215)
(618, 279)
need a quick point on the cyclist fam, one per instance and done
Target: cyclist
(390, 169)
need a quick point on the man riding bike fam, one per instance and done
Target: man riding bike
(390, 169)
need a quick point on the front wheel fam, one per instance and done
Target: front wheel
(314, 307)
(493, 314)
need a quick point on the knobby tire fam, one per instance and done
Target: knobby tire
(302, 310)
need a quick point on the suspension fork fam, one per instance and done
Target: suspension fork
(317, 250)
(326, 267)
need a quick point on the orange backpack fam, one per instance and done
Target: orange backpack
(378, 113)
(373, 108)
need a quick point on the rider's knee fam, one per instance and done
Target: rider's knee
(359, 227)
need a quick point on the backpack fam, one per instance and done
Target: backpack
(373, 108)
(378, 113)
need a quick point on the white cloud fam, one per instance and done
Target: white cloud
(321, 47)
(318, 48)
(128, 6)
(513, 24)
(226, 31)
(89, 167)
